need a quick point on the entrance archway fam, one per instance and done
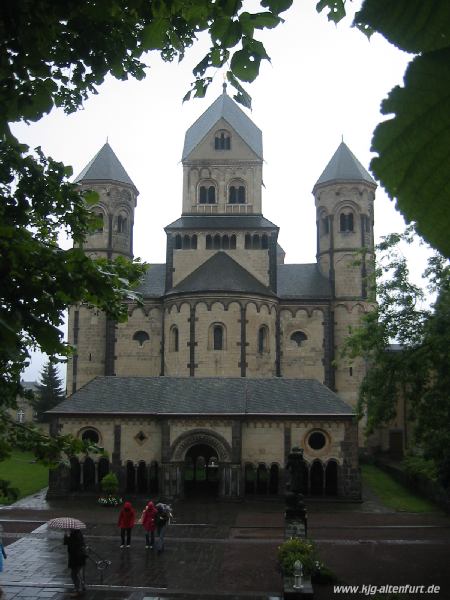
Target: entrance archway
(201, 471)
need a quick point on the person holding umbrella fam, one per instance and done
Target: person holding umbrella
(76, 550)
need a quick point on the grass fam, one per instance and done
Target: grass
(393, 494)
(23, 474)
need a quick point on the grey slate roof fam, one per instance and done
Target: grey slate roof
(153, 282)
(221, 222)
(105, 166)
(221, 273)
(224, 107)
(204, 396)
(344, 166)
(302, 281)
(293, 281)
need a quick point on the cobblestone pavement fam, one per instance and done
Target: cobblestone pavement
(221, 551)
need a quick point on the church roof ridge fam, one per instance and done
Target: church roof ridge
(105, 166)
(226, 108)
(344, 166)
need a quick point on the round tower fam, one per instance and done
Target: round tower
(344, 196)
(89, 331)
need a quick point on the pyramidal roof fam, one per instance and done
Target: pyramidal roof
(105, 166)
(344, 166)
(226, 108)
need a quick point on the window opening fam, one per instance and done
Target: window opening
(218, 337)
(346, 222)
(262, 339)
(208, 242)
(298, 337)
(141, 337)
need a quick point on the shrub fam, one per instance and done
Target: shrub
(414, 465)
(297, 549)
(109, 484)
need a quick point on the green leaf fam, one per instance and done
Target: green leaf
(276, 6)
(414, 147)
(226, 32)
(154, 35)
(412, 25)
(244, 65)
(336, 9)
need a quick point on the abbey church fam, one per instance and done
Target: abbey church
(234, 356)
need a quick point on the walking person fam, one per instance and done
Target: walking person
(127, 518)
(2, 555)
(148, 523)
(76, 549)
(162, 519)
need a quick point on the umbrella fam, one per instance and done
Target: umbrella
(65, 523)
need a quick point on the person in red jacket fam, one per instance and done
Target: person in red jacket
(148, 522)
(126, 522)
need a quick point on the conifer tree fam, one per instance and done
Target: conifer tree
(50, 390)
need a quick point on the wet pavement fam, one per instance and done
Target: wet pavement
(217, 550)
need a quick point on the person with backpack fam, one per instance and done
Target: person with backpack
(162, 519)
(126, 522)
(148, 523)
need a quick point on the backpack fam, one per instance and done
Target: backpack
(163, 515)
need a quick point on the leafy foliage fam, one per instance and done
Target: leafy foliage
(110, 484)
(417, 370)
(50, 391)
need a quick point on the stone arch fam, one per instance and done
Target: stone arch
(193, 437)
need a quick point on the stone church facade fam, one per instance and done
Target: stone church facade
(233, 357)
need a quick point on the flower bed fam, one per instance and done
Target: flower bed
(109, 500)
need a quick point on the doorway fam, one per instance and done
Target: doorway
(201, 471)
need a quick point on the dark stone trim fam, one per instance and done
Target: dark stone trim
(273, 261)
(110, 232)
(243, 320)
(110, 346)
(287, 442)
(332, 272)
(163, 341)
(76, 329)
(236, 441)
(192, 342)
(169, 262)
(165, 441)
(278, 343)
(131, 238)
(115, 456)
(328, 341)
(363, 261)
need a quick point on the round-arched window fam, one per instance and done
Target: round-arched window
(90, 435)
(316, 440)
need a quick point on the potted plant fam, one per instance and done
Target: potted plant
(109, 486)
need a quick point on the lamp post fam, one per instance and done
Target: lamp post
(298, 573)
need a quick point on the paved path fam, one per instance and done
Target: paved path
(222, 551)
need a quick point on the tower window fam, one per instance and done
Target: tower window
(174, 338)
(218, 337)
(346, 221)
(325, 226)
(236, 194)
(264, 242)
(90, 435)
(222, 140)
(100, 222)
(121, 224)
(208, 242)
(141, 337)
(207, 194)
(263, 339)
(178, 242)
(298, 337)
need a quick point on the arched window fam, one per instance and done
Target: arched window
(222, 140)
(186, 242)
(236, 194)
(264, 241)
(325, 226)
(298, 337)
(346, 221)
(256, 242)
(178, 242)
(208, 242)
(217, 242)
(225, 242)
(122, 224)
(263, 339)
(174, 339)
(207, 194)
(248, 241)
(141, 337)
(194, 242)
(218, 337)
(90, 435)
(100, 218)
(233, 242)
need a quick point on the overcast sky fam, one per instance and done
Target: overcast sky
(324, 82)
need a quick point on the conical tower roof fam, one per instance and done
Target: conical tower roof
(105, 166)
(226, 108)
(344, 166)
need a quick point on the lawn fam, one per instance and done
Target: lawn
(392, 494)
(23, 474)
